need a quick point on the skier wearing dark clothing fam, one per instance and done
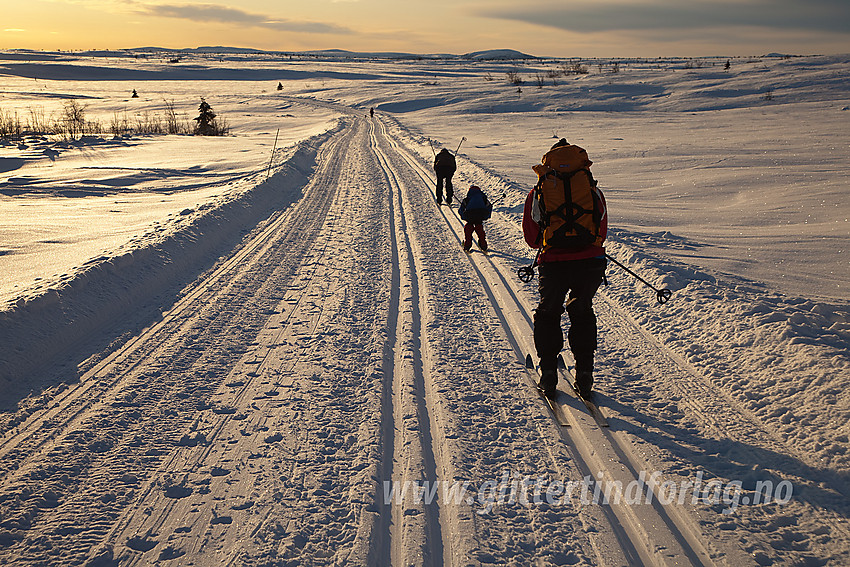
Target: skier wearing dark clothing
(475, 209)
(445, 167)
(577, 270)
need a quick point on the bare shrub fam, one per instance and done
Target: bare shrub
(172, 123)
(73, 119)
(10, 125)
(92, 128)
(73, 123)
(574, 69)
(38, 122)
(222, 128)
(120, 124)
(149, 123)
(540, 80)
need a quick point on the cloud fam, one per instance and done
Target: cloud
(659, 15)
(224, 14)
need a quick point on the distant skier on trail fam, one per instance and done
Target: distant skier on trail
(445, 167)
(475, 209)
(372, 112)
(565, 218)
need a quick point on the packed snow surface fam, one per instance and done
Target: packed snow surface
(267, 347)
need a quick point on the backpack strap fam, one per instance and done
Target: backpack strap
(569, 211)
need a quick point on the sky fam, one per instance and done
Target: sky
(555, 28)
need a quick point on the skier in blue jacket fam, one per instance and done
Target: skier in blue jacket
(475, 209)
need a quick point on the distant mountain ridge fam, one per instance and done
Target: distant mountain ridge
(342, 53)
(490, 54)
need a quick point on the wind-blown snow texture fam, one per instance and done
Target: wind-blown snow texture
(217, 353)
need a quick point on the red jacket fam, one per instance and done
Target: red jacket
(531, 231)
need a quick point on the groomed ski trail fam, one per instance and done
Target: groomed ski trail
(642, 535)
(452, 394)
(411, 531)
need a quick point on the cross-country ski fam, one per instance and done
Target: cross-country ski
(589, 401)
(553, 403)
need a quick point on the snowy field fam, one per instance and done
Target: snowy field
(223, 350)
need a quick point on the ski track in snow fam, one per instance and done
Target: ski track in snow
(349, 341)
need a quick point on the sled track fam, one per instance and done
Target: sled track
(652, 535)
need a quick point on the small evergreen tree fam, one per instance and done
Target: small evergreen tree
(206, 120)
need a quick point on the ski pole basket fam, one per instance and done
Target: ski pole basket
(526, 273)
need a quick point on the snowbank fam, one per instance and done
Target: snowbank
(122, 288)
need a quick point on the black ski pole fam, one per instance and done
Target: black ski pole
(462, 140)
(499, 200)
(661, 295)
(269, 170)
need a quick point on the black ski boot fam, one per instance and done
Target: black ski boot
(584, 384)
(548, 384)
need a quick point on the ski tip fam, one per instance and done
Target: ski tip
(529, 363)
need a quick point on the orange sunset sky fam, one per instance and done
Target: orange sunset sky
(558, 28)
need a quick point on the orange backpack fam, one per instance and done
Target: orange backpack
(570, 205)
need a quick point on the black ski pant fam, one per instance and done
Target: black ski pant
(450, 191)
(580, 279)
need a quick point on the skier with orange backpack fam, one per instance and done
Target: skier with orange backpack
(565, 218)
